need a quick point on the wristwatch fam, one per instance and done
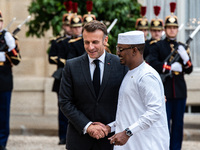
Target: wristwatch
(128, 132)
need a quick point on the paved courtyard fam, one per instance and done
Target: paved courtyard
(27, 142)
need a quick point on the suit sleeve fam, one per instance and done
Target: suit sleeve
(67, 101)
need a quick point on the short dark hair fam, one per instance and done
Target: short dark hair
(95, 25)
(140, 47)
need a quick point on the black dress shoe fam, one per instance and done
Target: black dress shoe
(2, 147)
(62, 142)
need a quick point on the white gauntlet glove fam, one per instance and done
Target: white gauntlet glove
(176, 66)
(182, 52)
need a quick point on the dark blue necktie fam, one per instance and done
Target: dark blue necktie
(96, 77)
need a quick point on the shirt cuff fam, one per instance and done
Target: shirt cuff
(135, 128)
(85, 128)
(112, 126)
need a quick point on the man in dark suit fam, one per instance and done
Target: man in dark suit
(86, 98)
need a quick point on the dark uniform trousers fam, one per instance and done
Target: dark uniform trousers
(175, 110)
(5, 98)
(63, 123)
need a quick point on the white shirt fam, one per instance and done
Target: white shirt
(141, 108)
(92, 68)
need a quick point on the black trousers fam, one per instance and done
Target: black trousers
(5, 98)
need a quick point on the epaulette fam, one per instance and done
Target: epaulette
(58, 36)
(154, 41)
(60, 39)
(52, 39)
(74, 40)
(55, 38)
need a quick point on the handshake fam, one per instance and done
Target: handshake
(98, 130)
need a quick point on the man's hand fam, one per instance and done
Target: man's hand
(108, 128)
(97, 130)
(119, 138)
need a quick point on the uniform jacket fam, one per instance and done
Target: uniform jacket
(148, 43)
(58, 47)
(146, 49)
(175, 86)
(79, 102)
(76, 47)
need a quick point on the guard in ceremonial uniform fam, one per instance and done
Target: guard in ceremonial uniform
(156, 29)
(142, 23)
(58, 46)
(76, 45)
(172, 67)
(9, 56)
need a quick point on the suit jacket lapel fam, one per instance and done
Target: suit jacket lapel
(106, 74)
(86, 73)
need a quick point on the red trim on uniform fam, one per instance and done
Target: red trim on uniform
(14, 52)
(167, 67)
(189, 63)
